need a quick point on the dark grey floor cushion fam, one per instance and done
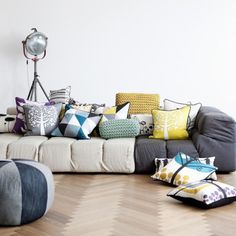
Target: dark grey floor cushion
(26, 191)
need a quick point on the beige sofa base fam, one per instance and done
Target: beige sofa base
(63, 154)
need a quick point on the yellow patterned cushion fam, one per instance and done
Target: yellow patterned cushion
(140, 103)
(170, 124)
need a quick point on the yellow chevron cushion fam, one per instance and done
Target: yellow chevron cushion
(170, 124)
(140, 103)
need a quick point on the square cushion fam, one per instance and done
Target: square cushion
(162, 162)
(60, 95)
(194, 108)
(116, 112)
(205, 193)
(7, 123)
(20, 125)
(41, 120)
(184, 169)
(145, 122)
(140, 103)
(77, 124)
(170, 124)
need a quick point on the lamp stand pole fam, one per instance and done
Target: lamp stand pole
(33, 89)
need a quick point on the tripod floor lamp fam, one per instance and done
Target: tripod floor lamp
(34, 48)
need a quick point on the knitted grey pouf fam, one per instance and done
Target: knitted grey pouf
(26, 191)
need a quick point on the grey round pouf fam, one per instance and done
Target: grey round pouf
(26, 191)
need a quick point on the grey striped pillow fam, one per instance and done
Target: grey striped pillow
(60, 95)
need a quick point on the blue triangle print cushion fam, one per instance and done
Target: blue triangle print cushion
(77, 124)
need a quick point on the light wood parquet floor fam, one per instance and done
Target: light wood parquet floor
(125, 205)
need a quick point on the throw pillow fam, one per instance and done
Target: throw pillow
(60, 95)
(41, 120)
(98, 108)
(7, 123)
(77, 124)
(184, 169)
(116, 112)
(20, 125)
(124, 128)
(140, 103)
(205, 194)
(194, 108)
(161, 162)
(170, 124)
(79, 106)
(145, 122)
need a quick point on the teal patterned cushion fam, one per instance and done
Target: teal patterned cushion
(122, 128)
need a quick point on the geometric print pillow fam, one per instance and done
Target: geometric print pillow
(77, 124)
(184, 169)
(205, 194)
(116, 112)
(161, 162)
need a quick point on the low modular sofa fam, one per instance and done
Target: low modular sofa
(214, 134)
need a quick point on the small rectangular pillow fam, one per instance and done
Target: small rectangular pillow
(20, 125)
(184, 169)
(41, 120)
(122, 128)
(194, 108)
(170, 124)
(7, 123)
(205, 194)
(60, 95)
(161, 162)
(77, 124)
(116, 112)
(145, 122)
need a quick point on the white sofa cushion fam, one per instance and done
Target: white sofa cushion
(56, 154)
(25, 147)
(5, 140)
(118, 155)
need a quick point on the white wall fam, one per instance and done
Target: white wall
(183, 49)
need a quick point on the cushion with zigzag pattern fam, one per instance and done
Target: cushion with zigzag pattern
(116, 112)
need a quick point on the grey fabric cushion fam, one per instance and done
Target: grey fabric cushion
(185, 146)
(40, 119)
(23, 201)
(215, 135)
(215, 124)
(145, 152)
(224, 152)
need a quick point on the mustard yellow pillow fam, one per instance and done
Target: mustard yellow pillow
(170, 124)
(140, 103)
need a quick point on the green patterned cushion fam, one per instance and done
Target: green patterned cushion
(122, 128)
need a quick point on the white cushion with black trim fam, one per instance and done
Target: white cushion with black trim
(205, 193)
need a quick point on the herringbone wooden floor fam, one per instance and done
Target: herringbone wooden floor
(125, 205)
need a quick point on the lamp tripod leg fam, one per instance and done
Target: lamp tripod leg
(43, 90)
(30, 94)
